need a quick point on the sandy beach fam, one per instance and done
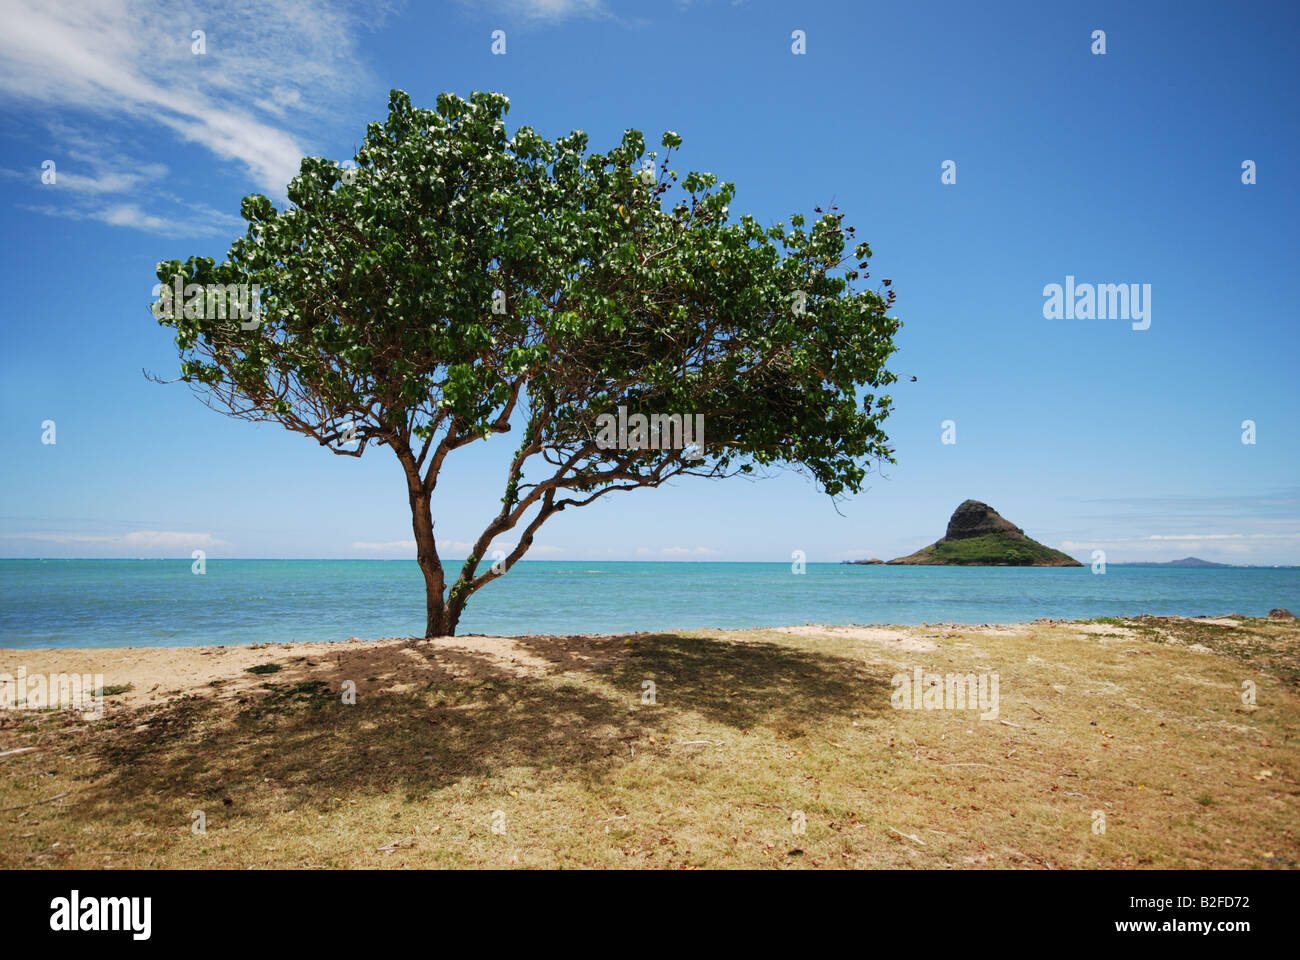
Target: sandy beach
(781, 747)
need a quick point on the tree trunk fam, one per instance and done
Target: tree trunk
(437, 623)
(451, 617)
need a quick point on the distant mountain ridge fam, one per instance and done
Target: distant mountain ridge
(1185, 562)
(978, 535)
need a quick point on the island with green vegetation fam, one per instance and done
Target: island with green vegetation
(978, 535)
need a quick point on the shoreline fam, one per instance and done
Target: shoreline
(8, 651)
(158, 673)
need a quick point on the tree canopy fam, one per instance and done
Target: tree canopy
(461, 281)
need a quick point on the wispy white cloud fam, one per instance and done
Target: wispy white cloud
(1158, 540)
(1223, 536)
(386, 546)
(269, 72)
(130, 215)
(100, 180)
(451, 547)
(678, 552)
(1253, 527)
(1239, 547)
(544, 10)
(136, 540)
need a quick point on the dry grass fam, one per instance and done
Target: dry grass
(1142, 720)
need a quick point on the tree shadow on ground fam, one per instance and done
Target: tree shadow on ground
(444, 715)
(742, 684)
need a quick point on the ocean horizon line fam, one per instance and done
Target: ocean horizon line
(1220, 565)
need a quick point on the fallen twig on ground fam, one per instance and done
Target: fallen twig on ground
(910, 836)
(35, 803)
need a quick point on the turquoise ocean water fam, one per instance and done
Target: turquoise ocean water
(88, 603)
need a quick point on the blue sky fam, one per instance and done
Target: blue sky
(1117, 168)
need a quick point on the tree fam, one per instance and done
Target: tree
(459, 282)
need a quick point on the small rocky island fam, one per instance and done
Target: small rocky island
(979, 536)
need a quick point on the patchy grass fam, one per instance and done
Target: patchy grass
(1269, 645)
(557, 744)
